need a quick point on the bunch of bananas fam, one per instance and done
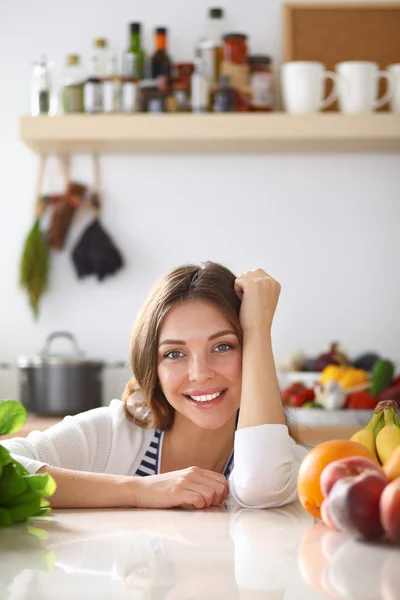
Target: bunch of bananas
(382, 434)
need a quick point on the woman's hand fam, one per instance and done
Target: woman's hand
(190, 488)
(259, 294)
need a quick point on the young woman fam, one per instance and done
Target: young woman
(202, 416)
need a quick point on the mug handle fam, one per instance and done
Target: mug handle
(389, 91)
(334, 93)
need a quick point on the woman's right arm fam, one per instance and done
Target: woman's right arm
(191, 488)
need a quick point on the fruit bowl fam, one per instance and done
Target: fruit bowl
(321, 417)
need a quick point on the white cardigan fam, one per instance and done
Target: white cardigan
(103, 440)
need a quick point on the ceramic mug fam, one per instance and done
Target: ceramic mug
(358, 86)
(303, 87)
(394, 70)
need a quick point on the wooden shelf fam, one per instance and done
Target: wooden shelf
(211, 133)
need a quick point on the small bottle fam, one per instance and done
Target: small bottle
(111, 87)
(92, 88)
(40, 88)
(130, 85)
(72, 91)
(161, 65)
(225, 98)
(135, 49)
(210, 45)
(200, 88)
(101, 53)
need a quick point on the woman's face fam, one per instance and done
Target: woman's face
(200, 363)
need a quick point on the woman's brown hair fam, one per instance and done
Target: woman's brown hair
(143, 398)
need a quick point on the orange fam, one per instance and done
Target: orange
(313, 464)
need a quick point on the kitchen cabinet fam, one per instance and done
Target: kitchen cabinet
(237, 133)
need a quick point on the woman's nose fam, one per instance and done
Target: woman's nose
(200, 369)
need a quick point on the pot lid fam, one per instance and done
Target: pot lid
(48, 357)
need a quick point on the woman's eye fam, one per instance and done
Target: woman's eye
(223, 347)
(174, 354)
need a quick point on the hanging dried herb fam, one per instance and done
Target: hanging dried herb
(64, 209)
(34, 266)
(34, 263)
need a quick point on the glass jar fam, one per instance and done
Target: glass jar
(235, 48)
(72, 91)
(261, 83)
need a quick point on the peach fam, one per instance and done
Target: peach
(390, 510)
(353, 504)
(345, 467)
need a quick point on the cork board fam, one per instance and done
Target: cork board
(332, 32)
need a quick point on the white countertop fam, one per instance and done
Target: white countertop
(216, 554)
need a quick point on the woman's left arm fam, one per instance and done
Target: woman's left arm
(266, 458)
(261, 402)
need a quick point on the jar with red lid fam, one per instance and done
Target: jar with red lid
(261, 82)
(235, 48)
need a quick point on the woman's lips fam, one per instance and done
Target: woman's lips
(207, 403)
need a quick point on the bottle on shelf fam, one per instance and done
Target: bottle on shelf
(129, 85)
(40, 88)
(112, 87)
(226, 97)
(210, 45)
(200, 86)
(134, 57)
(72, 90)
(160, 61)
(93, 87)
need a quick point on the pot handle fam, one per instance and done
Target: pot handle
(58, 334)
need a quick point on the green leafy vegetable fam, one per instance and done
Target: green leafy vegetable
(12, 416)
(22, 495)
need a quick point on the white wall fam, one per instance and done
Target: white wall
(326, 226)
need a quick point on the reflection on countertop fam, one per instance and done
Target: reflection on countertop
(220, 553)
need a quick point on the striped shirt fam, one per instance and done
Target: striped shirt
(150, 464)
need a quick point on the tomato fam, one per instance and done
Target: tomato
(297, 394)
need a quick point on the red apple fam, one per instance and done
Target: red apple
(354, 504)
(347, 467)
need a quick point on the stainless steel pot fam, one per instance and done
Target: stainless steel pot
(59, 385)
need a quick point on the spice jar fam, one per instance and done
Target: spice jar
(235, 66)
(261, 82)
(235, 48)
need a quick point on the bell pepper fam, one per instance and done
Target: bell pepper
(361, 400)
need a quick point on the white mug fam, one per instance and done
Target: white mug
(303, 87)
(394, 70)
(358, 86)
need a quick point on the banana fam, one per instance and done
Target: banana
(366, 436)
(388, 439)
